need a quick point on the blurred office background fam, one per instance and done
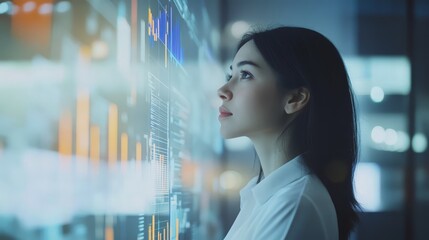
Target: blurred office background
(108, 114)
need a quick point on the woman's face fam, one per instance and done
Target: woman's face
(251, 95)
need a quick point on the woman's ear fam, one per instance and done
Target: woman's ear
(296, 99)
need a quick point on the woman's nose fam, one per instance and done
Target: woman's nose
(224, 94)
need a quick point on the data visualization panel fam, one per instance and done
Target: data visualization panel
(108, 125)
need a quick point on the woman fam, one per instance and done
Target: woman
(289, 93)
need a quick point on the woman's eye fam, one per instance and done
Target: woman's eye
(245, 75)
(228, 77)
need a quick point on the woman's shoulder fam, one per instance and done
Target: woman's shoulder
(307, 189)
(297, 211)
(303, 203)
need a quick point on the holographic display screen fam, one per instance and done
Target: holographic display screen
(106, 131)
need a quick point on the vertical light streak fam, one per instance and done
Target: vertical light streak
(163, 175)
(168, 231)
(65, 134)
(112, 135)
(124, 150)
(154, 152)
(142, 41)
(153, 226)
(134, 25)
(134, 91)
(109, 234)
(82, 124)
(151, 29)
(166, 44)
(138, 155)
(94, 144)
(177, 229)
(123, 43)
(157, 28)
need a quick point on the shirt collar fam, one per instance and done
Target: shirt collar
(279, 178)
(246, 191)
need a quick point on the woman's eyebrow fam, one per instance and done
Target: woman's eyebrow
(244, 63)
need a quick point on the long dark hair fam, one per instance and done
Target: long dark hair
(326, 128)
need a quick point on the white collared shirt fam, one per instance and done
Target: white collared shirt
(288, 204)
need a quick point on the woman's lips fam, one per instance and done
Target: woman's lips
(224, 112)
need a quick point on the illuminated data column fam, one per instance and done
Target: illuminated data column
(160, 233)
(168, 231)
(153, 226)
(151, 31)
(109, 234)
(112, 153)
(138, 155)
(134, 28)
(124, 151)
(94, 140)
(177, 229)
(65, 134)
(159, 126)
(142, 41)
(161, 28)
(82, 124)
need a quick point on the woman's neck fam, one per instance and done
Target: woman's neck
(272, 153)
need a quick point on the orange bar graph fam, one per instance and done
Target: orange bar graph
(124, 150)
(82, 124)
(161, 234)
(65, 134)
(112, 135)
(94, 140)
(151, 29)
